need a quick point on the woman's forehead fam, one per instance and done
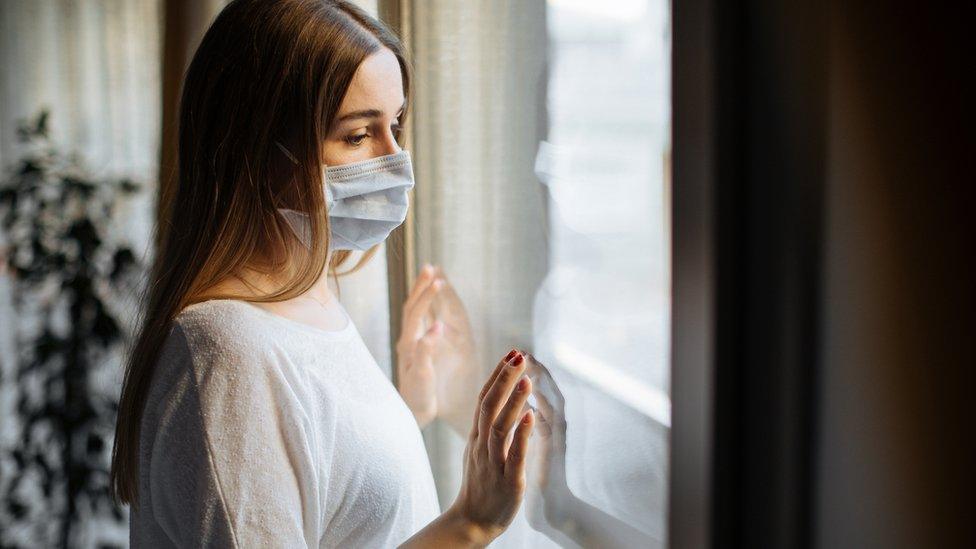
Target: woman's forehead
(376, 85)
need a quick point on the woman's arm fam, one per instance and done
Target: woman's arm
(230, 464)
(450, 529)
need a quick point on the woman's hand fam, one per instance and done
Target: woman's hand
(415, 349)
(494, 461)
(455, 360)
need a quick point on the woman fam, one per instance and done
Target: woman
(251, 413)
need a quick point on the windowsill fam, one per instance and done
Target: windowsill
(645, 399)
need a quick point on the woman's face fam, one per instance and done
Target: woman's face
(368, 121)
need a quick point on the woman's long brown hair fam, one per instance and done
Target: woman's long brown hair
(266, 71)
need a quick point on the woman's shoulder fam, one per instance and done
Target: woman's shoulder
(222, 347)
(223, 328)
(211, 353)
(224, 319)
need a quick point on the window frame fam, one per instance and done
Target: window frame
(749, 100)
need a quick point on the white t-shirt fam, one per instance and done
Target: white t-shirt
(261, 431)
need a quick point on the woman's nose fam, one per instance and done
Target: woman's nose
(389, 143)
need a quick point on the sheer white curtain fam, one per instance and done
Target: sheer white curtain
(540, 144)
(95, 66)
(364, 295)
(480, 210)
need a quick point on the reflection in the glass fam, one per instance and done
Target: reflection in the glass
(550, 505)
(542, 143)
(601, 317)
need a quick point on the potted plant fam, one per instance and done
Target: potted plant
(69, 271)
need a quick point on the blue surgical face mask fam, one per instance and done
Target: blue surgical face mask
(365, 200)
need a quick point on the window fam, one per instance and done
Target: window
(542, 152)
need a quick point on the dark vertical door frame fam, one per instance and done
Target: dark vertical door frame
(184, 24)
(400, 247)
(749, 96)
(693, 274)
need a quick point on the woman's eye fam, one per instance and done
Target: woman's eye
(396, 129)
(356, 140)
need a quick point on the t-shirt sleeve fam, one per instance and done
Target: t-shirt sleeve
(233, 462)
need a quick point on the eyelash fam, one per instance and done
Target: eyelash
(357, 140)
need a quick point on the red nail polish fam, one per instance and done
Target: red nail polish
(519, 359)
(510, 355)
(522, 384)
(527, 417)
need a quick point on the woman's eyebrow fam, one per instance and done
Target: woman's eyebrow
(365, 113)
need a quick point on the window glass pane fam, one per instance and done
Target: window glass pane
(604, 164)
(602, 315)
(541, 151)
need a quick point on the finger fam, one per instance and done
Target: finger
(439, 272)
(525, 407)
(414, 316)
(409, 330)
(543, 414)
(515, 461)
(426, 297)
(484, 390)
(411, 314)
(423, 352)
(420, 349)
(543, 403)
(546, 376)
(497, 395)
(424, 280)
(491, 379)
(502, 426)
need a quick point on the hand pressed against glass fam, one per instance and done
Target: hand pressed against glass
(416, 348)
(494, 462)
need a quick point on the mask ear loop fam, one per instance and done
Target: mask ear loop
(290, 156)
(287, 153)
(278, 206)
(297, 163)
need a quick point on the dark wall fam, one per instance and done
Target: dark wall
(823, 299)
(894, 466)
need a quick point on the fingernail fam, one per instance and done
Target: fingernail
(510, 355)
(527, 417)
(518, 360)
(522, 385)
